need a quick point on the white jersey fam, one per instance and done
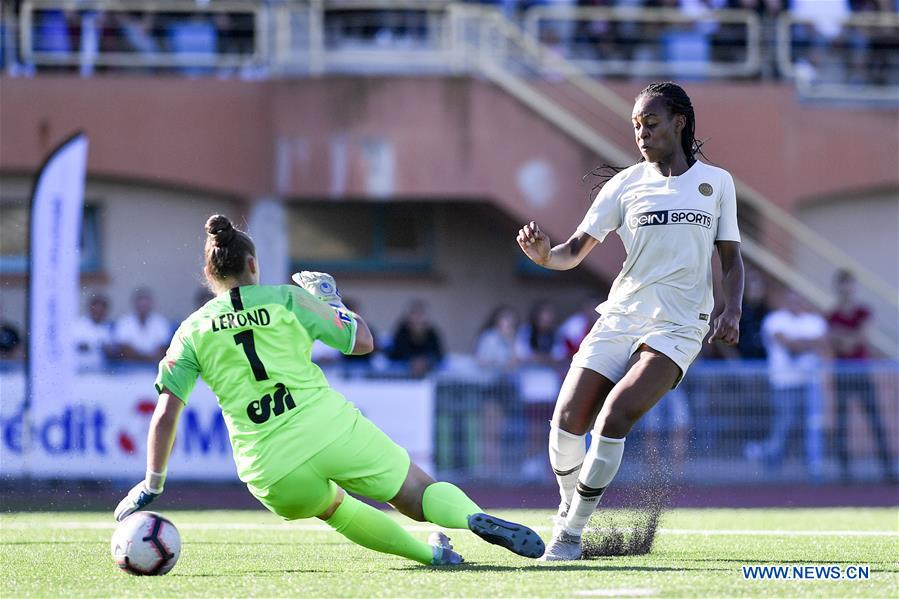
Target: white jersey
(669, 226)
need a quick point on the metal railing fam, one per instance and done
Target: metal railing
(861, 62)
(189, 37)
(651, 41)
(313, 36)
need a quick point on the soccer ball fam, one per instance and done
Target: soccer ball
(146, 544)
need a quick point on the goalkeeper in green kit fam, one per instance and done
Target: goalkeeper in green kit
(298, 444)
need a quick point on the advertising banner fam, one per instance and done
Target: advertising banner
(99, 429)
(57, 205)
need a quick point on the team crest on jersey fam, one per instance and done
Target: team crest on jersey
(705, 189)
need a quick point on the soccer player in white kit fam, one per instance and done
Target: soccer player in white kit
(671, 211)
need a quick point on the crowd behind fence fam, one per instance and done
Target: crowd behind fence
(833, 42)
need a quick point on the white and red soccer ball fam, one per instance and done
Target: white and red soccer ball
(146, 544)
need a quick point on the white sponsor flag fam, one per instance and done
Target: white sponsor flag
(54, 270)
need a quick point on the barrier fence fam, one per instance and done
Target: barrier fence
(725, 424)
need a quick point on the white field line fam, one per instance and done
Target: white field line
(286, 527)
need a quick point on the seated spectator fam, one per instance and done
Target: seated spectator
(576, 327)
(848, 322)
(142, 335)
(416, 342)
(796, 340)
(93, 334)
(537, 339)
(496, 349)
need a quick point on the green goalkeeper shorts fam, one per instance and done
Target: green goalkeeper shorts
(365, 461)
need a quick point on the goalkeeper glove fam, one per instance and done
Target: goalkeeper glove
(141, 495)
(320, 285)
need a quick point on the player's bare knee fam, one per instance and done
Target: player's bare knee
(615, 424)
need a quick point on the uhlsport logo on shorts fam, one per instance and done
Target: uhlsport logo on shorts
(671, 217)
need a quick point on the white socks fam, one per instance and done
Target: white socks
(566, 454)
(599, 469)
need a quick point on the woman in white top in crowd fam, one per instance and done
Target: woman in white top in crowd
(671, 211)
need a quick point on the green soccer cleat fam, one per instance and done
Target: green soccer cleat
(443, 550)
(517, 538)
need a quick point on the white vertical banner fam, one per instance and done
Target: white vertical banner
(268, 227)
(57, 205)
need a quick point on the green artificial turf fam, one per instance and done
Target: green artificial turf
(698, 553)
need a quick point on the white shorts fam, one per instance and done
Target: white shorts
(614, 338)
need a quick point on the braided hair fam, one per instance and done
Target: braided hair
(677, 102)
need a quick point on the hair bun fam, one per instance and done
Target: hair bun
(219, 227)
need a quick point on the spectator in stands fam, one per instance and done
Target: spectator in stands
(497, 348)
(93, 334)
(497, 354)
(51, 32)
(416, 342)
(190, 39)
(796, 342)
(848, 323)
(576, 326)
(538, 338)
(755, 308)
(142, 335)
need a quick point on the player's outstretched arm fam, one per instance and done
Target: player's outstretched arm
(160, 439)
(536, 246)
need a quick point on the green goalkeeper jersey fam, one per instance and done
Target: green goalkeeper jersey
(252, 346)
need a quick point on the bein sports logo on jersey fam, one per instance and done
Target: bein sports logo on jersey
(670, 217)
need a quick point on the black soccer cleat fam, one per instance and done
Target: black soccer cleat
(517, 538)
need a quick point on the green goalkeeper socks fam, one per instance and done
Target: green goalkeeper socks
(372, 528)
(447, 505)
